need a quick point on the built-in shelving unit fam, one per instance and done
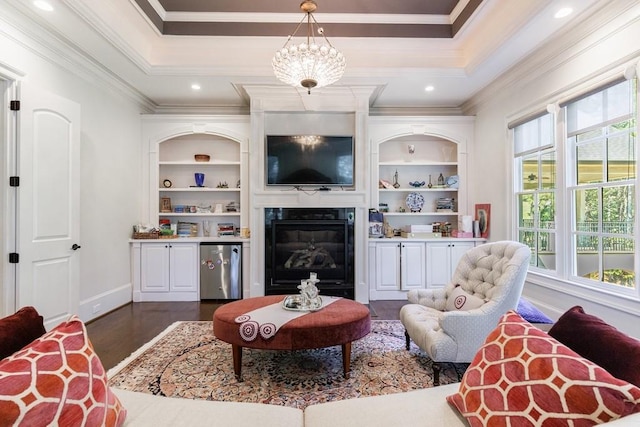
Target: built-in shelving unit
(218, 200)
(416, 158)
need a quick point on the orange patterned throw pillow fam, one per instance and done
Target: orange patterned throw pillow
(523, 377)
(58, 380)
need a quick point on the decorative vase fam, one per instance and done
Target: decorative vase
(430, 184)
(199, 179)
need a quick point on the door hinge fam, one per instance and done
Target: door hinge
(14, 105)
(14, 181)
(14, 258)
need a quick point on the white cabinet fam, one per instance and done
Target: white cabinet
(442, 259)
(399, 266)
(168, 271)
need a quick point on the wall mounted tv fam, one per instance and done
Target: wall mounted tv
(295, 160)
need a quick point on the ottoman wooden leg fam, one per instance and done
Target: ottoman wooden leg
(346, 359)
(237, 361)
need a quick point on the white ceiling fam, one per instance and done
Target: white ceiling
(119, 37)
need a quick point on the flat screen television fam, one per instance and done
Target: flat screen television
(309, 160)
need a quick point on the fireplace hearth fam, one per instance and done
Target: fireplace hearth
(299, 241)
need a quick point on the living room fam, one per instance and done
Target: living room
(114, 191)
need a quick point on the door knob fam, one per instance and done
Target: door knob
(75, 247)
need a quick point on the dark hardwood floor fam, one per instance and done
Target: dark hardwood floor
(119, 333)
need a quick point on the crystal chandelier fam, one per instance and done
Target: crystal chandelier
(309, 64)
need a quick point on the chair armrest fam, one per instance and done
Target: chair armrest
(469, 329)
(433, 298)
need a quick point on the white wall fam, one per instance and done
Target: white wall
(110, 160)
(572, 64)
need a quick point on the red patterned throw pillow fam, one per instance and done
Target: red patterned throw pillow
(523, 377)
(58, 380)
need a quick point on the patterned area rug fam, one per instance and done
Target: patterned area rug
(187, 361)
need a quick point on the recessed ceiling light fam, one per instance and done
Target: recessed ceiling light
(41, 4)
(429, 88)
(195, 86)
(565, 11)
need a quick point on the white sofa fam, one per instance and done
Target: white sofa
(426, 407)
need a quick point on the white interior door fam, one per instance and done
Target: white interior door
(48, 204)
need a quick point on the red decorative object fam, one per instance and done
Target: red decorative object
(523, 377)
(58, 380)
(483, 216)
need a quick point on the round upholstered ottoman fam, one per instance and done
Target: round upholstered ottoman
(338, 323)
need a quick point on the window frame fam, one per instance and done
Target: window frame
(565, 209)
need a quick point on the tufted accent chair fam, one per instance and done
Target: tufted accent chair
(494, 272)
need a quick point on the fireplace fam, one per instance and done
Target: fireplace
(299, 241)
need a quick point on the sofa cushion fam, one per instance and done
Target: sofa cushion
(522, 376)
(603, 344)
(462, 301)
(154, 410)
(418, 408)
(19, 329)
(58, 380)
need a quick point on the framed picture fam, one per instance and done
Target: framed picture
(483, 216)
(165, 204)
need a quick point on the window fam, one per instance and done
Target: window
(601, 131)
(535, 154)
(595, 198)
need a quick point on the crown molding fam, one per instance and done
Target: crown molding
(565, 46)
(34, 35)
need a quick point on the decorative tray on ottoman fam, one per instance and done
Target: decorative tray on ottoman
(296, 303)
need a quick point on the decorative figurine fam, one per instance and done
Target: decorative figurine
(440, 180)
(309, 293)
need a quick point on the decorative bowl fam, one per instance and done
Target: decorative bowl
(202, 157)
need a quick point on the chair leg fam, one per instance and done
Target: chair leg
(436, 374)
(408, 339)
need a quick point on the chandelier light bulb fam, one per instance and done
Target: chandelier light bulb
(312, 63)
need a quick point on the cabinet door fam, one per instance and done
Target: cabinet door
(183, 270)
(388, 266)
(154, 269)
(458, 249)
(438, 264)
(412, 266)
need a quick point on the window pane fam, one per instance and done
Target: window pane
(587, 257)
(590, 163)
(618, 261)
(547, 251)
(529, 238)
(618, 205)
(526, 209)
(621, 148)
(546, 210)
(587, 210)
(548, 167)
(529, 172)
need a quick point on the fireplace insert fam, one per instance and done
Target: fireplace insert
(301, 241)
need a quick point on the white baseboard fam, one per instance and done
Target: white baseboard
(103, 303)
